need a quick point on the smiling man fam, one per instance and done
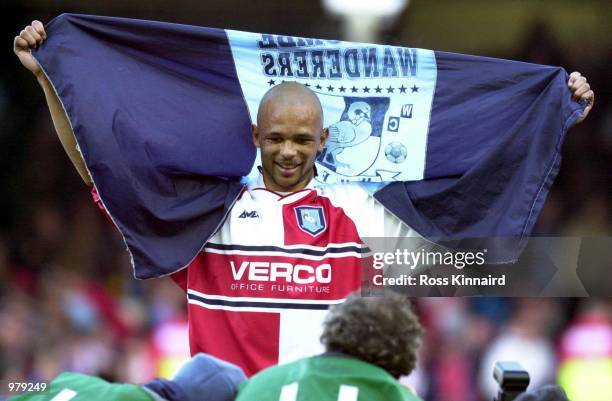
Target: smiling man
(287, 250)
(259, 288)
(289, 133)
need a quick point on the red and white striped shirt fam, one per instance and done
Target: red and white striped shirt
(259, 289)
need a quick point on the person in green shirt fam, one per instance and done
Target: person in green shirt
(202, 378)
(370, 343)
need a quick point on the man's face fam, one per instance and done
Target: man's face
(289, 136)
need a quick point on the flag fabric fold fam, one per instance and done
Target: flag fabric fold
(493, 153)
(456, 146)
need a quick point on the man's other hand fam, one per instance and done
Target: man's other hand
(29, 38)
(581, 91)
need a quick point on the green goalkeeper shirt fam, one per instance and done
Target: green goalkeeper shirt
(70, 386)
(325, 378)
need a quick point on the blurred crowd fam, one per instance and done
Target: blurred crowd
(565, 341)
(129, 331)
(68, 300)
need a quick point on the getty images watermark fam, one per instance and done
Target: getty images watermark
(546, 266)
(413, 260)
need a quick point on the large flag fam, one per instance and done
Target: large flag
(456, 146)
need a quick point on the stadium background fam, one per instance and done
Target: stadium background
(67, 297)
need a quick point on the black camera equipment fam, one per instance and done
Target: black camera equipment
(512, 378)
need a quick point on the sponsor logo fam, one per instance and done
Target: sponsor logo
(277, 271)
(251, 214)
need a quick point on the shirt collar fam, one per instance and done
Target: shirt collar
(260, 190)
(260, 184)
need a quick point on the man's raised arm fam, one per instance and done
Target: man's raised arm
(29, 38)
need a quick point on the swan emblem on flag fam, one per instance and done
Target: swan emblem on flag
(347, 133)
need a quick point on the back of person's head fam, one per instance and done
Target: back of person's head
(383, 331)
(545, 393)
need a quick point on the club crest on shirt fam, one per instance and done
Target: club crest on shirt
(310, 219)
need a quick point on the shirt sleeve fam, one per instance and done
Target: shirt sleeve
(370, 217)
(180, 278)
